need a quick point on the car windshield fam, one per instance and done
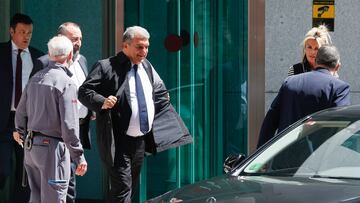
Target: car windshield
(316, 148)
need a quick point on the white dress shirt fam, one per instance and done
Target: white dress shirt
(27, 66)
(134, 125)
(78, 77)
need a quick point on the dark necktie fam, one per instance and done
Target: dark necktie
(18, 78)
(144, 124)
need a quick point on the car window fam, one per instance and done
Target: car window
(314, 148)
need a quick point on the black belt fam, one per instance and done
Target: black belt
(139, 137)
(40, 134)
(28, 142)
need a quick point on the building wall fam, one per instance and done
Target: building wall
(4, 23)
(286, 23)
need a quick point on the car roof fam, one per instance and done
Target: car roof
(351, 112)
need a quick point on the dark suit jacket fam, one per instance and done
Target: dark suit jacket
(85, 136)
(109, 77)
(301, 95)
(6, 83)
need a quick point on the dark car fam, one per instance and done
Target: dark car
(317, 159)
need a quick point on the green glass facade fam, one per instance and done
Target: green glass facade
(200, 50)
(207, 79)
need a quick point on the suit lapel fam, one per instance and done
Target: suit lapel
(6, 58)
(83, 65)
(122, 65)
(127, 88)
(9, 62)
(33, 58)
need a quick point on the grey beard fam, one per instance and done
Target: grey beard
(75, 55)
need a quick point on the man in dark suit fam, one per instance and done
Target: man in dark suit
(306, 93)
(79, 72)
(18, 63)
(133, 113)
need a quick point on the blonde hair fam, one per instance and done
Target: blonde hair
(320, 34)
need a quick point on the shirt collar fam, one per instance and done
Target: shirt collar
(15, 48)
(139, 65)
(322, 69)
(58, 65)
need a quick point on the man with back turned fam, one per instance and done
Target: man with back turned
(306, 93)
(47, 116)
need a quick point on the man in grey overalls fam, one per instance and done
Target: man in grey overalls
(47, 115)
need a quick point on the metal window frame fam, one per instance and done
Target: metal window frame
(256, 70)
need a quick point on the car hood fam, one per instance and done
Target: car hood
(265, 189)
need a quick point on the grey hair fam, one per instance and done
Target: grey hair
(62, 29)
(59, 47)
(320, 34)
(328, 55)
(135, 31)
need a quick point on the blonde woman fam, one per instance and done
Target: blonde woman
(314, 39)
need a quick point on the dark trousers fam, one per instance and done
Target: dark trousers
(71, 192)
(124, 175)
(18, 194)
(84, 131)
(6, 153)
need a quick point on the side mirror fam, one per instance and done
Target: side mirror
(232, 161)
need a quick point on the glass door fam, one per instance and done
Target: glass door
(199, 48)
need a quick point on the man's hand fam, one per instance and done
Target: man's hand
(81, 168)
(109, 102)
(17, 138)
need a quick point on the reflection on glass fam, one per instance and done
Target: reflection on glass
(318, 149)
